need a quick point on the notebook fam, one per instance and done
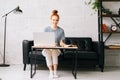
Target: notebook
(44, 39)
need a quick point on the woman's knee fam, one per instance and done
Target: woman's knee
(56, 52)
(46, 52)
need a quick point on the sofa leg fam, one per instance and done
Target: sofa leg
(24, 67)
(102, 69)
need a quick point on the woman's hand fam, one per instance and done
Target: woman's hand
(55, 44)
(62, 43)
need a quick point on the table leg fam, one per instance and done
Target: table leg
(74, 71)
(31, 72)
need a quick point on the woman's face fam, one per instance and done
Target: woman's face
(54, 20)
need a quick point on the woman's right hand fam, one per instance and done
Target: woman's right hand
(55, 44)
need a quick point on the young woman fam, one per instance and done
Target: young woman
(51, 55)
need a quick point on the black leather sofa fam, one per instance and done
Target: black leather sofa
(87, 53)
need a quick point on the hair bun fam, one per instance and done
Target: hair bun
(54, 12)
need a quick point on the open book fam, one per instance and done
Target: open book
(70, 45)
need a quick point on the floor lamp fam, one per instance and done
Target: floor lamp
(16, 10)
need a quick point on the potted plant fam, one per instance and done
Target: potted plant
(94, 3)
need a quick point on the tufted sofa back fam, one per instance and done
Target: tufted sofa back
(83, 43)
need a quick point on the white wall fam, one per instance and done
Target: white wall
(75, 19)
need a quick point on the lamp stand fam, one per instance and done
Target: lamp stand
(17, 9)
(4, 64)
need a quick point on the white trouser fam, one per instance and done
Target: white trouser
(51, 56)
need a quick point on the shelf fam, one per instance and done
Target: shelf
(113, 47)
(111, 15)
(111, 0)
(112, 32)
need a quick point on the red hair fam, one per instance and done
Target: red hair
(54, 13)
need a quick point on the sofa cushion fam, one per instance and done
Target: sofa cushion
(38, 55)
(81, 54)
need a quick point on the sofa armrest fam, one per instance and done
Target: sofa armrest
(26, 46)
(95, 46)
(100, 53)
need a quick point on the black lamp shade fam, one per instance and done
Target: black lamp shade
(17, 10)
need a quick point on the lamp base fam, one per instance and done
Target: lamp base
(4, 65)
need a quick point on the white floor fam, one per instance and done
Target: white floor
(15, 72)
